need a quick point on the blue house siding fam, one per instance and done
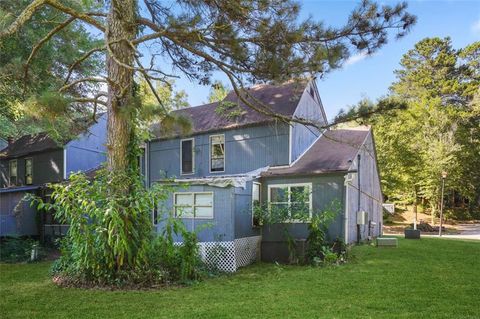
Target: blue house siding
(371, 198)
(221, 226)
(88, 150)
(326, 189)
(47, 167)
(243, 212)
(17, 218)
(246, 149)
(303, 136)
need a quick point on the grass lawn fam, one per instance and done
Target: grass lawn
(430, 278)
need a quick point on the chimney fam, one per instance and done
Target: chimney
(10, 140)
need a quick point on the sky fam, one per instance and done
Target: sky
(370, 76)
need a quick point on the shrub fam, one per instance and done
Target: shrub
(317, 232)
(16, 249)
(111, 240)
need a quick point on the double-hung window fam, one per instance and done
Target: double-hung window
(13, 172)
(217, 153)
(28, 171)
(187, 156)
(290, 202)
(194, 205)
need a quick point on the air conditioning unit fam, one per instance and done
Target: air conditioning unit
(362, 217)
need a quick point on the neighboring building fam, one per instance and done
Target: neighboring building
(228, 162)
(30, 162)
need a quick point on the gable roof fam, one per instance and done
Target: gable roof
(34, 143)
(28, 144)
(282, 99)
(333, 152)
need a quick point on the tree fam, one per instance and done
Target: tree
(218, 92)
(249, 41)
(438, 131)
(19, 85)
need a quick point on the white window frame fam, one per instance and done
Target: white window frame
(193, 205)
(10, 172)
(193, 156)
(289, 195)
(210, 148)
(259, 198)
(28, 159)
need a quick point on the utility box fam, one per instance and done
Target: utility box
(362, 217)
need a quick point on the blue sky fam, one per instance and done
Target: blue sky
(371, 76)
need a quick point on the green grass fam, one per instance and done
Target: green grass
(430, 278)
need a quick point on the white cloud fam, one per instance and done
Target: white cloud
(476, 27)
(356, 58)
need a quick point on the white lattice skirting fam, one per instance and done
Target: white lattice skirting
(228, 256)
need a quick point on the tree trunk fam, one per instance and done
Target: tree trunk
(432, 206)
(121, 28)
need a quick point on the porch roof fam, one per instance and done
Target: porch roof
(333, 152)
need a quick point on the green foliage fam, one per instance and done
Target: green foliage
(229, 110)
(46, 71)
(437, 130)
(218, 92)
(15, 249)
(111, 240)
(317, 232)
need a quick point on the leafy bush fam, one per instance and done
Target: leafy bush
(111, 240)
(317, 232)
(16, 249)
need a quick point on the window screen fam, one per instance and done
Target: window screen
(217, 153)
(28, 171)
(187, 156)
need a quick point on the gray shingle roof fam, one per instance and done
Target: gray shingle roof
(282, 99)
(28, 144)
(332, 152)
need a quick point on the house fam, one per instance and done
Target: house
(28, 163)
(226, 163)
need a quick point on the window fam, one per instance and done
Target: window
(155, 216)
(290, 202)
(194, 205)
(28, 171)
(187, 156)
(217, 153)
(13, 172)
(255, 202)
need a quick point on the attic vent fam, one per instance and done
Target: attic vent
(312, 92)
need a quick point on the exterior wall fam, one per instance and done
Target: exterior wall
(243, 212)
(47, 167)
(302, 136)
(16, 216)
(221, 227)
(88, 151)
(370, 193)
(246, 149)
(325, 190)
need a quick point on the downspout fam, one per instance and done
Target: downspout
(346, 209)
(358, 204)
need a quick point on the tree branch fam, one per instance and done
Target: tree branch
(24, 16)
(88, 79)
(80, 60)
(42, 41)
(79, 15)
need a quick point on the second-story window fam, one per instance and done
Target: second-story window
(217, 153)
(13, 172)
(28, 171)
(187, 156)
